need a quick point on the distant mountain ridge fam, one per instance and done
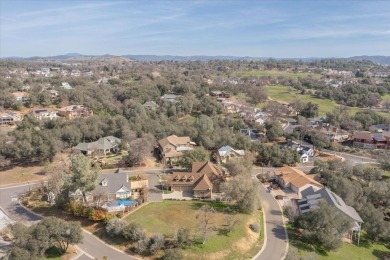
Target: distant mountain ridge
(376, 59)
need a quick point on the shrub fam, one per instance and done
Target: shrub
(183, 237)
(173, 254)
(115, 227)
(255, 227)
(157, 242)
(98, 215)
(108, 217)
(142, 245)
(19, 253)
(134, 232)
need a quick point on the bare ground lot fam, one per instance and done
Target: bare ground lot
(29, 172)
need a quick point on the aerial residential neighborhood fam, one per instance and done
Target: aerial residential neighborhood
(194, 130)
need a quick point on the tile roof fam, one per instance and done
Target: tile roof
(295, 177)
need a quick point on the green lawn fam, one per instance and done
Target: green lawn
(167, 216)
(386, 97)
(274, 73)
(366, 250)
(241, 95)
(386, 175)
(284, 94)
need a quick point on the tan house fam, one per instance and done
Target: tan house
(295, 180)
(172, 147)
(204, 179)
(75, 111)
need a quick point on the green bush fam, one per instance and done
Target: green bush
(255, 227)
(116, 226)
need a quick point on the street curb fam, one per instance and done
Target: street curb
(265, 233)
(86, 231)
(265, 237)
(285, 230)
(112, 247)
(82, 252)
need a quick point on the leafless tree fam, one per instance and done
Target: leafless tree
(206, 219)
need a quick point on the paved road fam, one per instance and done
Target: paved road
(91, 245)
(276, 243)
(97, 249)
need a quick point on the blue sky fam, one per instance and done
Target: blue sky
(238, 28)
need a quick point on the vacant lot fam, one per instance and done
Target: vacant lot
(168, 216)
(286, 95)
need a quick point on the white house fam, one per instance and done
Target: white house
(226, 152)
(304, 158)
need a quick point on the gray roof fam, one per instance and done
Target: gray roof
(103, 143)
(115, 181)
(311, 199)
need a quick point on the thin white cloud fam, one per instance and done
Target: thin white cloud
(68, 8)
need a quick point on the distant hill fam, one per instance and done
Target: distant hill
(78, 56)
(376, 59)
(188, 58)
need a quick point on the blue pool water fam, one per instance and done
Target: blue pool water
(115, 203)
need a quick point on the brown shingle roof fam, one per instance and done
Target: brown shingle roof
(206, 167)
(175, 140)
(203, 183)
(362, 135)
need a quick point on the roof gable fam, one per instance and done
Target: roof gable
(296, 177)
(203, 183)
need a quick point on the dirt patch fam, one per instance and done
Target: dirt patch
(71, 253)
(22, 174)
(246, 243)
(30, 172)
(156, 74)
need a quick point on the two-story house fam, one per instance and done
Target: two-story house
(172, 147)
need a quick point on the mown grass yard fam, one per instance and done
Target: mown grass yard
(275, 73)
(168, 216)
(284, 94)
(366, 250)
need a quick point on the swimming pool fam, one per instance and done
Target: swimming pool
(116, 203)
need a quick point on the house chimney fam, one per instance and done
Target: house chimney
(127, 177)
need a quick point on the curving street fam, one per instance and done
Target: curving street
(276, 239)
(92, 247)
(275, 246)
